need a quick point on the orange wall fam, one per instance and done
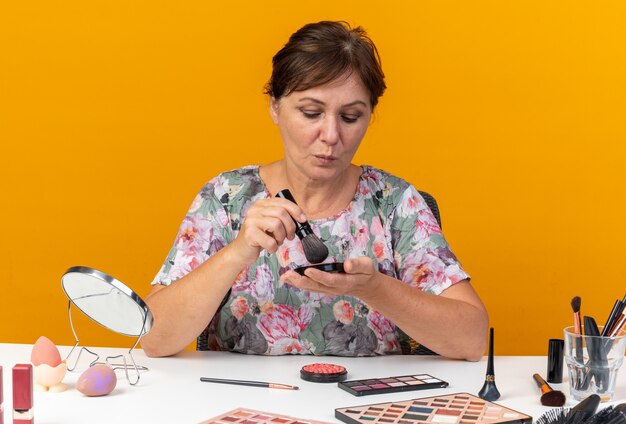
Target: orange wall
(113, 114)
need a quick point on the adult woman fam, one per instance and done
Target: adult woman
(237, 242)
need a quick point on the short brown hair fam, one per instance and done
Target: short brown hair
(320, 52)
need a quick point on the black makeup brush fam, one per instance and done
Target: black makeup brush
(580, 414)
(559, 416)
(549, 396)
(611, 415)
(490, 391)
(615, 312)
(314, 249)
(598, 361)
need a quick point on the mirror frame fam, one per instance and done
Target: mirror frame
(113, 282)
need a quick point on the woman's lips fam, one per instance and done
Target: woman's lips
(325, 158)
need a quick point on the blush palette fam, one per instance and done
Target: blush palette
(457, 408)
(403, 383)
(249, 416)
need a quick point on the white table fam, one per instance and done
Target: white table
(171, 392)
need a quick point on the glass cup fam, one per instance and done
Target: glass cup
(593, 363)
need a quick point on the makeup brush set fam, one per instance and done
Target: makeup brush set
(594, 352)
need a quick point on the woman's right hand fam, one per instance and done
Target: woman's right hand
(267, 224)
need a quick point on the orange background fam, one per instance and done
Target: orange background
(113, 114)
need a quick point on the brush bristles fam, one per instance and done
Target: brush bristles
(314, 250)
(553, 398)
(608, 415)
(576, 304)
(553, 416)
(561, 416)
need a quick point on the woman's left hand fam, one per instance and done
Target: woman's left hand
(360, 279)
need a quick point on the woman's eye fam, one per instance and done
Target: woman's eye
(310, 114)
(350, 119)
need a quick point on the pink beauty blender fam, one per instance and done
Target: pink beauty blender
(45, 352)
(48, 368)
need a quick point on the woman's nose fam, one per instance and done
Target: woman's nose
(330, 130)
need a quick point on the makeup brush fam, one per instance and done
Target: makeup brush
(619, 325)
(615, 312)
(598, 361)
(549, 396)
(490, 391)
(577, 328)
(611, 415)
(314, 249)
(615, 322)
(579, 414)
(587, 407)
(559, 416)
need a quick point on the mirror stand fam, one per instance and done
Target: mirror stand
(107, 360)
(114, 306)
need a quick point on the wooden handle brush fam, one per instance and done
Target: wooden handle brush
(549, 396)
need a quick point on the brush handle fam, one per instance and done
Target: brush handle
(578, 341)
(542, 384)
(619, 325)
(610, 320)
(490, 370)
(585, 409)
(597, 349)
(303, 229)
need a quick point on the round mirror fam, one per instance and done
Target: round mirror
(107, 301)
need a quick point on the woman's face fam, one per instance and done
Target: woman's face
(322, 127)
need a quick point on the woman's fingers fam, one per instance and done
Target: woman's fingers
(360, 265)
(271, 213)
(305, 282)
(357, 280)
(275, 228)
(267, 224)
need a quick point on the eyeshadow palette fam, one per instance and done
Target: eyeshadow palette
(403, 383)
(249, 416)
(457, 408)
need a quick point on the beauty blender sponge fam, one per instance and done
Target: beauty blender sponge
(45, 352)
(97, 380)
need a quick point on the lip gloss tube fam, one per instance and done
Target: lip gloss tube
(23, 394)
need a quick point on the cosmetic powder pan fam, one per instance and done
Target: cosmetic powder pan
(323, 373)
(331, 267)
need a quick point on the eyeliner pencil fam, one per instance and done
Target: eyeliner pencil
(248, 383)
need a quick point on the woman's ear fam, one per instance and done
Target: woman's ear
(274, 109)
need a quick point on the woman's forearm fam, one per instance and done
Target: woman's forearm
(183, 309)
(453, 324)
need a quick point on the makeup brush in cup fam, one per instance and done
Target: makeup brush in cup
(489, 390)
(577, 327)
(549, 396)
(618, 307)
(314, 249)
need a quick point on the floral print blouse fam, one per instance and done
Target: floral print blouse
(387, 220)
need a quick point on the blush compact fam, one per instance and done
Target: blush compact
(323, 373)
(331, 267)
